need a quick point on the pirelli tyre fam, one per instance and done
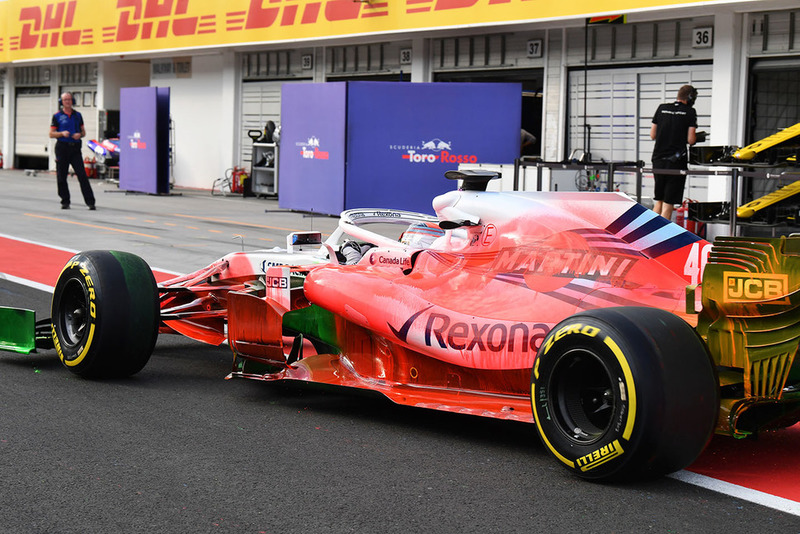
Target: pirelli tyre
(624, 393)
(105, 314)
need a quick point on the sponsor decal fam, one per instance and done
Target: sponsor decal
(600, 456)
(279, 282)
(171, 68)
(386, 214)
(489, 234)
(135, 141)
(267, 264)
(572, 328)
(81, 351)
(755, 287)
(648, 233)
(378, 214)
(169, 18)
(81, 27)
(442, 331)
(309, 149)
(432, 151)
(573, 263)
(382, 259)
(49, 25)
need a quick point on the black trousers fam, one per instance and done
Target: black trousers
(70, 154)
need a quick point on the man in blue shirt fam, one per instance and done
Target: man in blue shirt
(67, 128)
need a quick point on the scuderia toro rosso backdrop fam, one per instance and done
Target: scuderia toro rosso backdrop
(396, 141)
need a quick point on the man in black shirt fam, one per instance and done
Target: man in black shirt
(674, 125)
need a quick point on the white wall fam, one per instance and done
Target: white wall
(728, 80)
(114, 75)
(202, 109)
(9, 111)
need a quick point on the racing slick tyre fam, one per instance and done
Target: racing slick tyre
(624, 393)
(105, 314)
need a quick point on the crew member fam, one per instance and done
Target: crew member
(68, 130)
(674, 125)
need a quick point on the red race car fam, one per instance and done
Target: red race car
(578, 312)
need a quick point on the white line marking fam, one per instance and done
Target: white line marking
(740, 492)
(29, 283)
(14, 238)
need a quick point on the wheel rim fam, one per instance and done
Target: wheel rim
(583, 399)
(73, 314)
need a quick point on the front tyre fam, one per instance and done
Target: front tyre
(105, 314)
(624, 393)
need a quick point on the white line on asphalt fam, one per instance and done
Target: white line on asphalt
(746, 494)
(15, 238)
(29, 283)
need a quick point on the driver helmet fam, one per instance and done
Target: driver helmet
(421, 235)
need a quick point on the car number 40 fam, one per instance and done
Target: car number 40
(696, 262)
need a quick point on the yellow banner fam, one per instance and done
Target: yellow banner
(64, 28)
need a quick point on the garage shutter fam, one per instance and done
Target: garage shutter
(775, 99)
(774, 105)
(620, 104)
(2, 110)
(261, 102)
(610, 104)
(33, 121)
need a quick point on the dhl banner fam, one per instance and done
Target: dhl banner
(31, 29)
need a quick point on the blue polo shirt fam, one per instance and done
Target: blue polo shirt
(72, 123)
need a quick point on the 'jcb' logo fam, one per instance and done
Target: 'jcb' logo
(749, 287)
(280, 282)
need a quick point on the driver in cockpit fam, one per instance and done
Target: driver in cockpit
(417, 235)
(421, 235)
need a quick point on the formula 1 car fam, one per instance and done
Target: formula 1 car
(577, 312)
(106, 152)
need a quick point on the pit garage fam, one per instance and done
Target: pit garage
(263, 74)
(31, 126)
(774, 104)
(2, 112)
(619, 105)
(506, 57)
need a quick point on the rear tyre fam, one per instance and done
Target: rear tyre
(624, 393)
(105, 314)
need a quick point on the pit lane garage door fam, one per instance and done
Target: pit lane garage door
(619, 105)
(774, 97)
(775, 105)
(261, 102)
(32, 122)
(2, 114)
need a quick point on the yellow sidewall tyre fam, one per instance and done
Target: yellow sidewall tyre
(105, 314)
(624, 393)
